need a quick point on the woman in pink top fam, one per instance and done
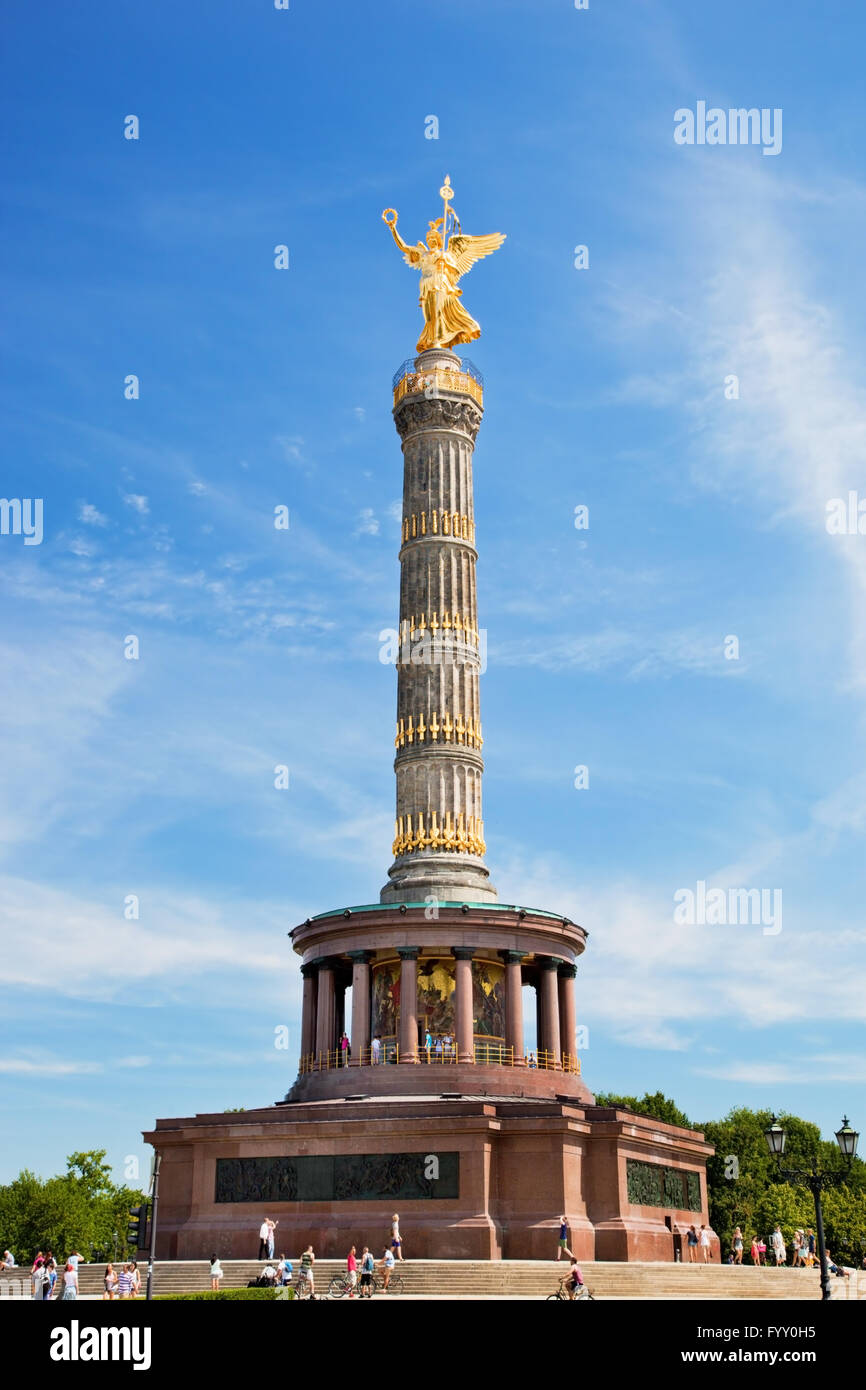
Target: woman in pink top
(352, 1271)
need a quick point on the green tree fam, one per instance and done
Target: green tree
(657, 1106)
(80, 1209)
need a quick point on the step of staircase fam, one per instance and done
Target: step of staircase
(513, 1278)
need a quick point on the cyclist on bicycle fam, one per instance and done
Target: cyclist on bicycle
(572, 1283)
(308, 1259)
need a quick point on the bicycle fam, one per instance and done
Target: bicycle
(583, 1295)
(341, 1284)
(303, 1288)
(395, 1285)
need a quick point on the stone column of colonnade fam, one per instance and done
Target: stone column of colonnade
(557, 1022)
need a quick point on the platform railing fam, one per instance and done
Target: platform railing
(485, 1052)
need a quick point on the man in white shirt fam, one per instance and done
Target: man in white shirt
(8, 1259)
(264, 1237)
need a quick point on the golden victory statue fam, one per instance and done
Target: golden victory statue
(447, 255)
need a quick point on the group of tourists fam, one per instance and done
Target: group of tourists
(52, 1280)
(48, 1280)
(359, 1269)
(698, 1240)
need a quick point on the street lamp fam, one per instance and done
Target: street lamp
(815, 1179)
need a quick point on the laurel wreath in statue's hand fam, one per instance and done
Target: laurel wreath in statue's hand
(390, 216)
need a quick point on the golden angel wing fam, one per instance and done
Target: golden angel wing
(466, 250)
(412, 255)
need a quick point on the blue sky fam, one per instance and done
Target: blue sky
(259, 387)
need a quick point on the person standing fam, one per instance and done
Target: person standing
(796, 1245)
(367, 1267)
(345, 1049)
(396, 1238)
(37, 1277)
(387, 1263)
(692, 1244)
(285, 1270)
(50, 1281)
(272, 1226)
(70, 1283)
(135, 1274)
(74, 1259)
(777, 1240)
(810, 1245)
(308, 1259)
(352, 1271)
(377, 1050)
(216, 1273)
(264, 1232)
(109, 1284)
(428, 1043)
(563, 1240)
(124, 1283)
(737, 1246)
(705, 1245)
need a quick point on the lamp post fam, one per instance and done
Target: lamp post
(815, 1179)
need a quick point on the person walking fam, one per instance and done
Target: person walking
(50, 1281)
(216, 1273)
(396, 1238)
(352, 1271)
(563, 1240)
(777, 1241)
(387, 1263)
(135, 1272)
(810, 1246)
(796, 1247)
(705, 1245)
(345, 1049)
(367, 1267)
(692, 1245)
(109, 1284)
(428, 1043)
(737, 1246)
(308, 1259)
(124, 1283)
(264, 1233)
(70, 1283)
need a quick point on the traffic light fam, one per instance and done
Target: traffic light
(136, 1230)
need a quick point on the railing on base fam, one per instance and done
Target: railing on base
(486, 1052)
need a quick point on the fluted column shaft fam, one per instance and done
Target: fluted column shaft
(463, 1003)
(360, 1003)
(308, 1010)
(567, 1010)
(550, 1006)
(408, 1003)
(326, 1010)
(514, 1004)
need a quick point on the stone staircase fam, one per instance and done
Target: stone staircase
(521, 1279)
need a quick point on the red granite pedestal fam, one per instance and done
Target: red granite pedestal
(521, 1162)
